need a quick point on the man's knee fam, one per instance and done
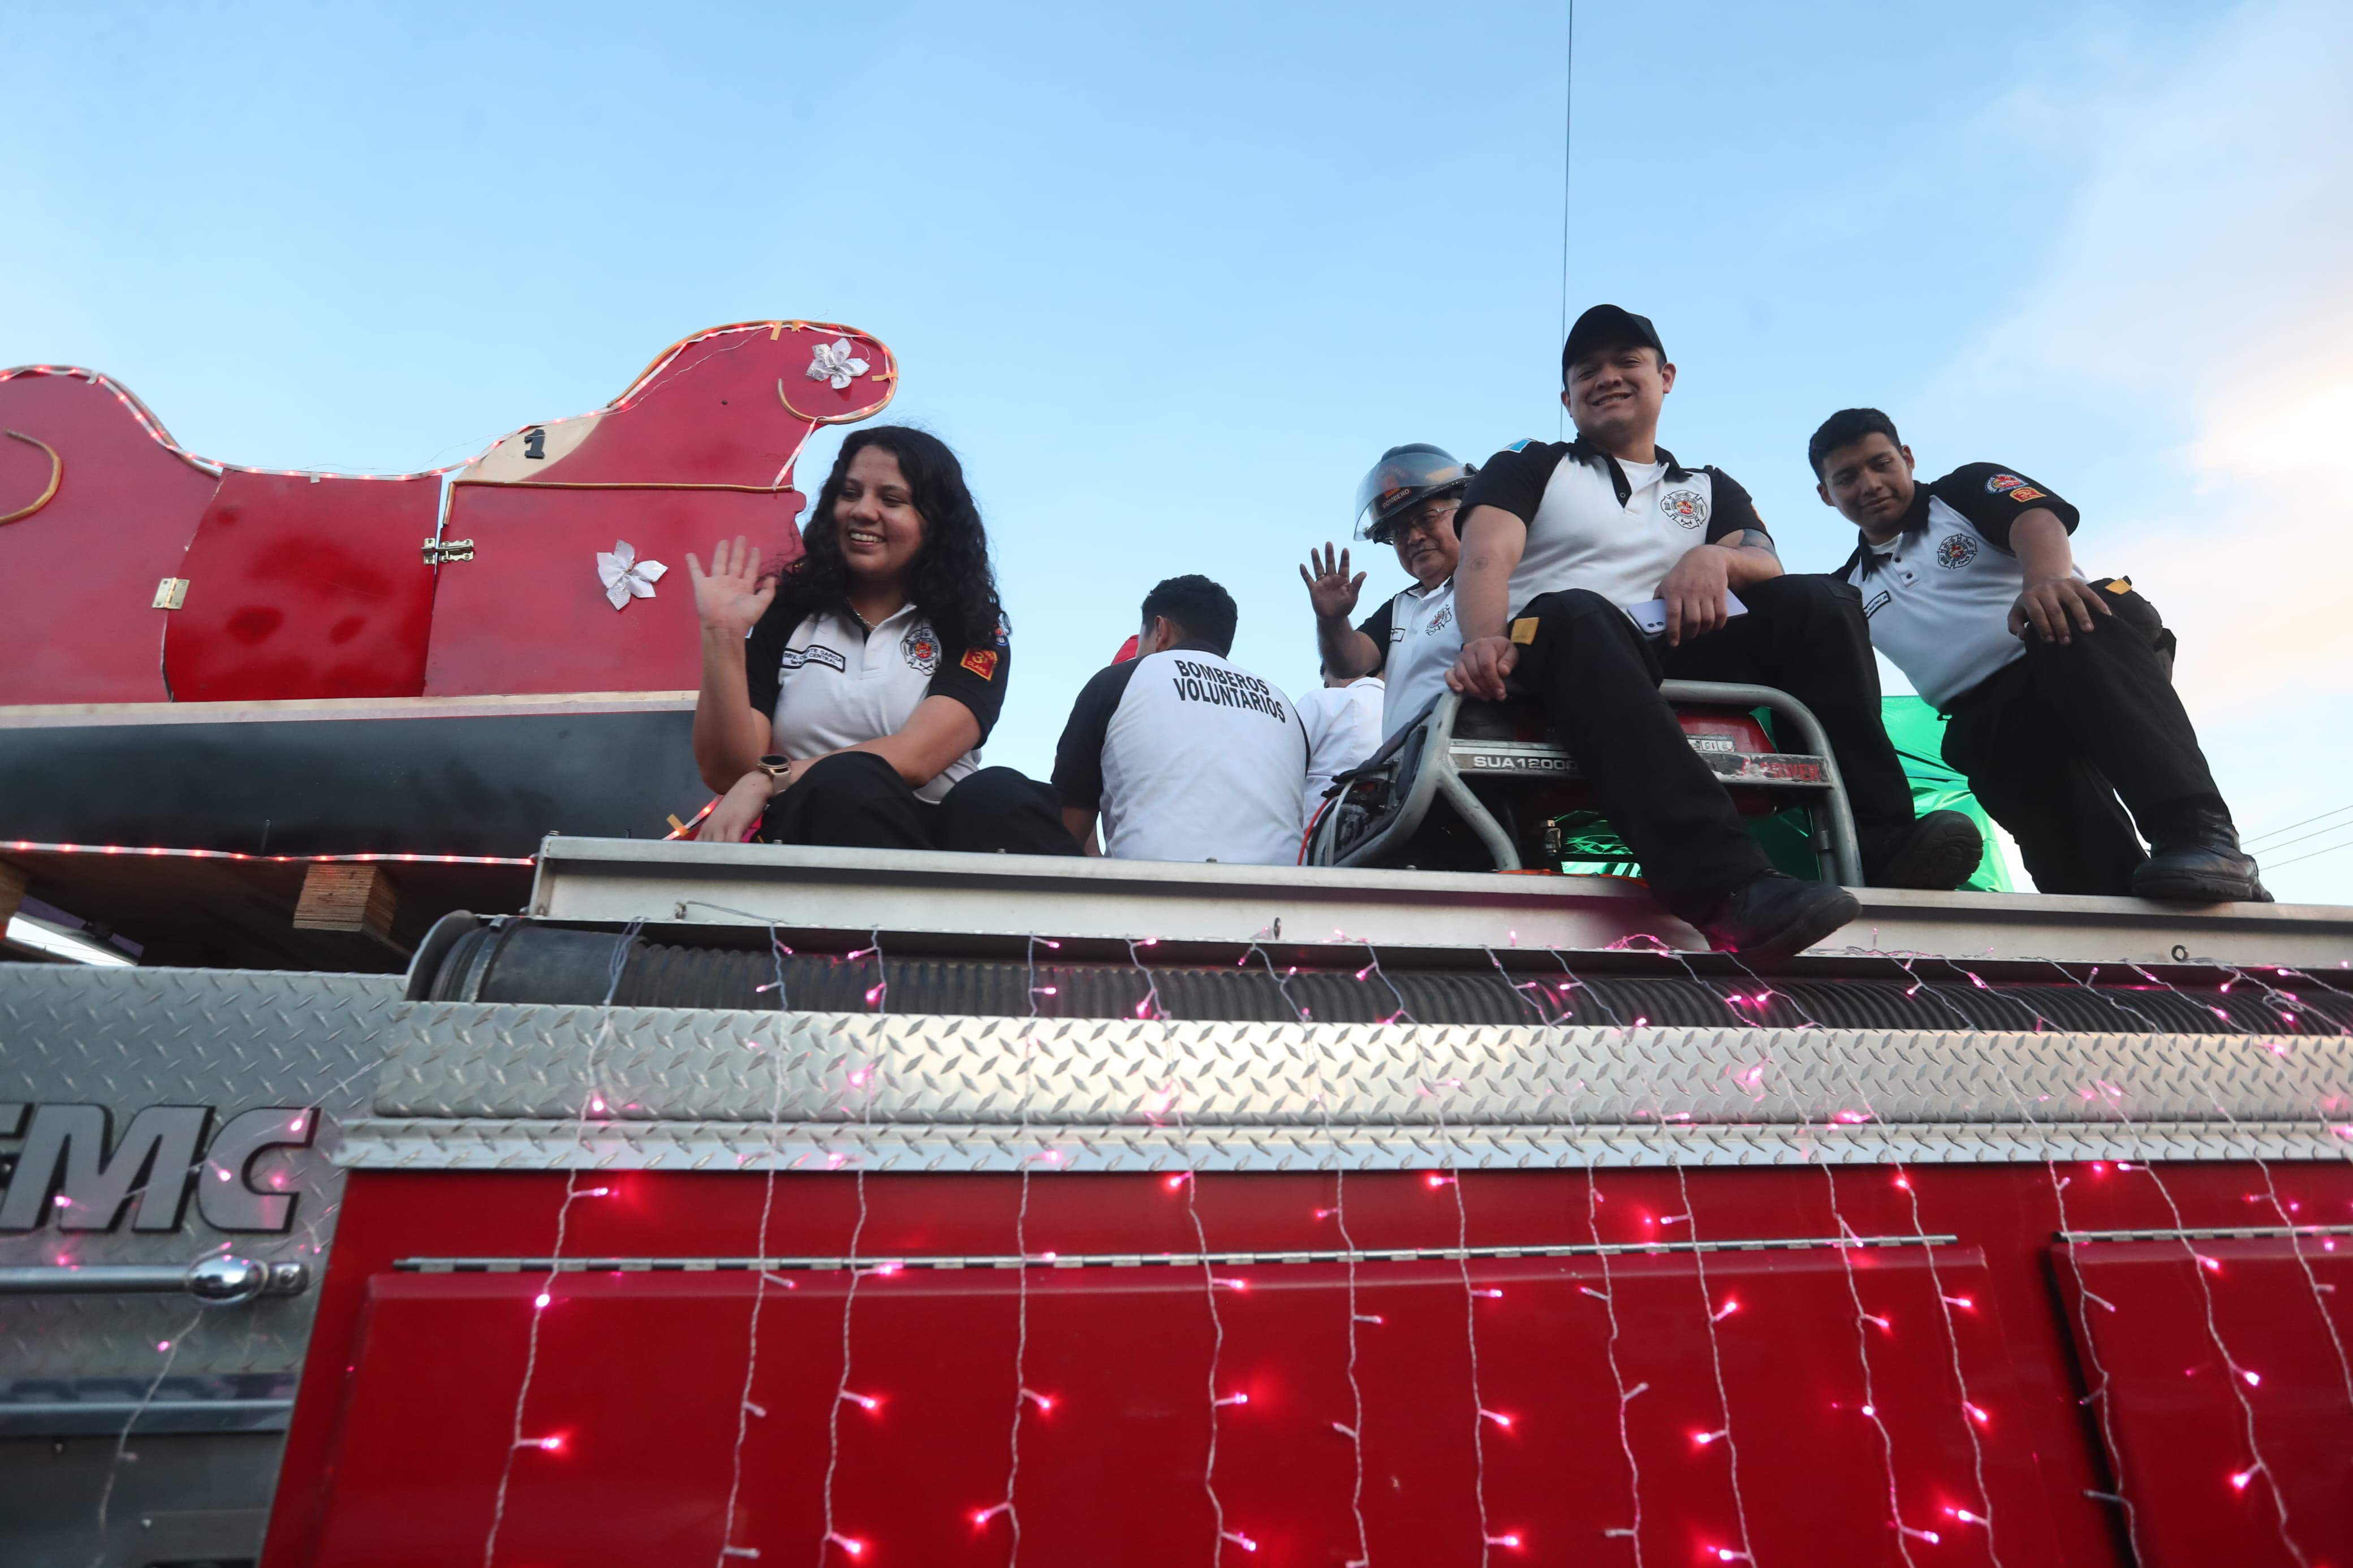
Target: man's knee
(1571, 627)
(1804, 594)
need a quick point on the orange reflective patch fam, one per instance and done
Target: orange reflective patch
(981, 662)
(1524, 630)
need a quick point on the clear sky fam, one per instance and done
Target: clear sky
(1171, 278)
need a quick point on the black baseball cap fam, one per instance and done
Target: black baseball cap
(1609, 327)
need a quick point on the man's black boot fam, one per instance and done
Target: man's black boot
(1937, 852)
(1777, 915)
(2202, 864)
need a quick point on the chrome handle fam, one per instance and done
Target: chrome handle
(215, 1281)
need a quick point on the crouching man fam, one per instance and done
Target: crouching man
(2058, 692)
(1560, 541)
(1184, 756)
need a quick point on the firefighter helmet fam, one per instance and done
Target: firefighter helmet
(1405, 478)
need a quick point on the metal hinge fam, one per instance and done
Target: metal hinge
(171, 594)
(440, 551)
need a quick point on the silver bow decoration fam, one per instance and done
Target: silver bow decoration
(625, 576)
(834, 363)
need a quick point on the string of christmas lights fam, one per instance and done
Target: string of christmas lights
(2098, 1395)
(1972, 1414)
(746, 1410)
(2272, 1193)
(860, 1079)
(592, 1104)
(2239, 1377)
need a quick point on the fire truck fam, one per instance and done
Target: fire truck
(446, 1161)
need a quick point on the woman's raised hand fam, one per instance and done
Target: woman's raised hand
(735, 594)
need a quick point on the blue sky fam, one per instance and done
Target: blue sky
(1170, 279)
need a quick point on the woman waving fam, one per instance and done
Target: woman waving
(853, 713)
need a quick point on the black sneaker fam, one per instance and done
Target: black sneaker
(1936, 852)
(1777, 915)
(2203, 866)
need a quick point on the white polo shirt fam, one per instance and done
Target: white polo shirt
(1938, 594)
(829, 683)
(1188, 757)
(1418, 641)
(1343, 724)
(1595, 523)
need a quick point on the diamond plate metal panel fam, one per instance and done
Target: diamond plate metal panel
(129, 1038)
(472, 1086)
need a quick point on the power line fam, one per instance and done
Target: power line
(2315, 833)
(2314, 854)
(2275, 832)
(1567, 131)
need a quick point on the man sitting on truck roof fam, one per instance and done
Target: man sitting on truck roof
(1184, 756)
(2058, 691)
(1411, 500)
(1562, 543)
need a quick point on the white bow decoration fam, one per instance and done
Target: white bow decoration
(627, 577)
(833, 362)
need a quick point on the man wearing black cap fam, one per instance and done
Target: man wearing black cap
(1563, 543)
(2058, 692)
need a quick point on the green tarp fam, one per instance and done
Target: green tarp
(1588, 847)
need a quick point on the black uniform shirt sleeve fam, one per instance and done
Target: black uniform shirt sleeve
(764, 655)
(974, 676)
(1992, 497)
(1515, 479)
(1377, 627)
(1078, 760)
(1732, 509)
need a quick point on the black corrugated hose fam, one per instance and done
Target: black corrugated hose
(516, 961)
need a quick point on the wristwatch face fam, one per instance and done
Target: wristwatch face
(774, 763)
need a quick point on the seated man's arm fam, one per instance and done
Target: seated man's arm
(1492, 543)
(1078, 756)
(1738, 551)
(2055, 601)
(1081, 821)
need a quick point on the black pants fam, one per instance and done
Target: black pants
(2049, 741)
(855, 800)
(1597, 678)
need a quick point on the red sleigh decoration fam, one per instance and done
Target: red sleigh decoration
(138, 572)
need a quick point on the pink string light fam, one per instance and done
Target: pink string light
(842, 1396)
(571, 1194)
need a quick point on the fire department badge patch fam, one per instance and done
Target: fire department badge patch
(1956, 551)
(2001, 482)
(921, 649)
(2029, 493)
(1686, 507)
(982, 662)
(1439, 622)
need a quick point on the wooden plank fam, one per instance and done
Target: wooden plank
(346, 898)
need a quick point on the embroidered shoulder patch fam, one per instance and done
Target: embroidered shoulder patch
(982, 662)
(2027, 494)
(2001, 482)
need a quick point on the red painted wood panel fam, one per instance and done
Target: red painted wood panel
(2225, 1362)
(529, 612)
(305, 588)
(78, 577)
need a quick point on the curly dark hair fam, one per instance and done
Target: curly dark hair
(949, 580)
